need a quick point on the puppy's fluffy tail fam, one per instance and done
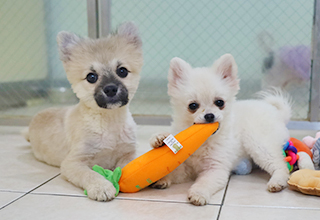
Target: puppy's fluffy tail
(25, 134)
(279, 99)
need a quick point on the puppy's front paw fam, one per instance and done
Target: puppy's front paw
(276, 183)
(275, 186)
(101, 192)
(197, 198)
(157, 140)
(162, 184)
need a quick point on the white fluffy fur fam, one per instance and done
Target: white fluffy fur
(80, 136)
(250, 128)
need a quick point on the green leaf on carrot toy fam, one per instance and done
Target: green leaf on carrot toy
(112, 176)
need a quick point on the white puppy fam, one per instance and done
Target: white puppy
(251, 128)
(104, 74)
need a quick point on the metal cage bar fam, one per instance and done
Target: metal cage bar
(99, 18)
(315, 74)
(93, 18)
(104, 17)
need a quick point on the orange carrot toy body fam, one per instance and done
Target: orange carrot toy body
(157, 163)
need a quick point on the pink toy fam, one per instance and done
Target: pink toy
(310, 141)
(314, 145)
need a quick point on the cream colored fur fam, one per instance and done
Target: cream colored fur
(78, 137)
(250, 128)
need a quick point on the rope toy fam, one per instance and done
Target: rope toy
(290, 154)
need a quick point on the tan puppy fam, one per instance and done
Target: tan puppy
(104, 74)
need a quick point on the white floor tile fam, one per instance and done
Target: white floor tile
(266, 213)
(7, 197)
(20, 170)
(251, 190)
(62, 207)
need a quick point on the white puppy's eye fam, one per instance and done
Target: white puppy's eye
(193, 106)
(219, 103)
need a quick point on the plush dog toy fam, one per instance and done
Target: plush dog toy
(158, 162)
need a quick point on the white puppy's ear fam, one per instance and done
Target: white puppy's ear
(66, 41)
(130, 31)
(226, 66)
(177, 73)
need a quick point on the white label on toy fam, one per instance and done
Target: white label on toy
(173, 143)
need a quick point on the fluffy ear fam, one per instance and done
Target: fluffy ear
(226, 66)
(66, 41)
(177, 73)
(130, 31)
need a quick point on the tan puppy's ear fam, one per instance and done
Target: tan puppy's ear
(178, 72)
(130, 31)
(226, 67)
(66, 41)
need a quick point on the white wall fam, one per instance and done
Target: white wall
(22, 41)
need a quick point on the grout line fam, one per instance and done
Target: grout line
(12, 191)
(9, 203)
(29, 192)
(223, 198)
(57, 194)
(161, 201)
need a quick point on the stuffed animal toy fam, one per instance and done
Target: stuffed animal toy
(314, 146)
(244, 167)
(158, 162)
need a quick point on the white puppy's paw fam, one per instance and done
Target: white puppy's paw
(101, 192)
(162, 183)
(276, 187)
(197, 198)
(277, 184)
(157, 140)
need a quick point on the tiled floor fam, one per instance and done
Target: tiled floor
(32, 190)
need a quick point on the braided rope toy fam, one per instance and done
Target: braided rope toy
(290, 154)
(297, 155)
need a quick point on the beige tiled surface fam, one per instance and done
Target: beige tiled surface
(32, 190)
(20, 171)
(8, 197)
(266, 213)
(64, 207)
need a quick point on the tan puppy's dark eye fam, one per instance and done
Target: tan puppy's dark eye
(219, 103)
(92, 77)
(193, 107)
(122, 72)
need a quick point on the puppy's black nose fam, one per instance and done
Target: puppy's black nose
(110, 90)
(209, 117)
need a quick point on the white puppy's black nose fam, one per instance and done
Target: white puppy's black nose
(110, 90)
(209, 117)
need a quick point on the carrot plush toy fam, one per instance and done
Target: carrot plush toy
(157, 163)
